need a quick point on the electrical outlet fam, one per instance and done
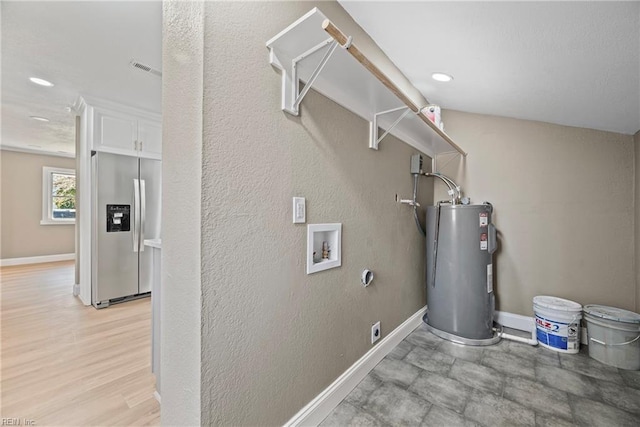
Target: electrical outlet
(375, 332)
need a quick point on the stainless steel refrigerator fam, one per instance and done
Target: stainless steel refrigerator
(126, 211)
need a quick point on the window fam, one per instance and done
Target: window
(58, 196)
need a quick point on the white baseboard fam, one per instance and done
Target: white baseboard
(36, 259)
(515, 321)
(525, 323)
(320, 407)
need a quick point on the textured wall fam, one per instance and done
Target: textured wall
(274, 337)
(637, 218)
(563, 205)
(181, 192)
(22, 234)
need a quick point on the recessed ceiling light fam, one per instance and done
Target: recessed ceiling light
(441, 77)
(41, 82)
(40, 119)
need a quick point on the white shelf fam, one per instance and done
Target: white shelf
(351, 80)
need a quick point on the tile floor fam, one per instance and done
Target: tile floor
(429, 381)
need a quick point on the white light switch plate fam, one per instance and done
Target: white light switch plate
(299, 210)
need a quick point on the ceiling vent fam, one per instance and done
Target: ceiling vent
(145, 68)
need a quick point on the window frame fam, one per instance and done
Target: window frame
(47, 196)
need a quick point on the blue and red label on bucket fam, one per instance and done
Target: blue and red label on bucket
(557, 335)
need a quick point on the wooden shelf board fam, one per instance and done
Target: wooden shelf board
(352, 81)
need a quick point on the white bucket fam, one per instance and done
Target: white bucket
(557, 323)
(614, 336)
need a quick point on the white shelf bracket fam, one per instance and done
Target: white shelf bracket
(312, 53)
(435, 165)
(291, 94)
(374, 140)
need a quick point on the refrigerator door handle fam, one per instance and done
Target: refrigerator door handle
(136, 214)
(143, 211)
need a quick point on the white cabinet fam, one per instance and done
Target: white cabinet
(149, 138)
(126, 133)
(114, 130)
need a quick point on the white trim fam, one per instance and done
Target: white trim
(528, 324)
(36, 259)
(101, 103)
(85, 184)
(320, 407)
(519, 322)
(157, 396)
(515, 321)
(37, 151)
(335, 246)
(67, 221)
(47, 202)
(125, 152)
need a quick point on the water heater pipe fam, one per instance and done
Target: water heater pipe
(455, 186)
(531, 341)
(454, 189)
(454, 192)
(415, 205)
(451, 181)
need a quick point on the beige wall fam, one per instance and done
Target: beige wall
(22, 234)
(637, 218)
(272, 336)
(181, 170)
(563, 206)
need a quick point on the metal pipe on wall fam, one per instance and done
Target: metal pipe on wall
(453, 187)
(415, 205)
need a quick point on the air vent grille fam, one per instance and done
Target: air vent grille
(145, 68)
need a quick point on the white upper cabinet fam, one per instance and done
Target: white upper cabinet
(114, 132)
(122, 130)
(149, 138)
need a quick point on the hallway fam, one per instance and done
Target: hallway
(67, 364)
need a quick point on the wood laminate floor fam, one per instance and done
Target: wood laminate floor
(66, 364)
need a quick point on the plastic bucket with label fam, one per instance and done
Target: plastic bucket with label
(614, 336)
(557, 323)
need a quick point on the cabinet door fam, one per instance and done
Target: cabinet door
(150, 139)
(114, 132)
